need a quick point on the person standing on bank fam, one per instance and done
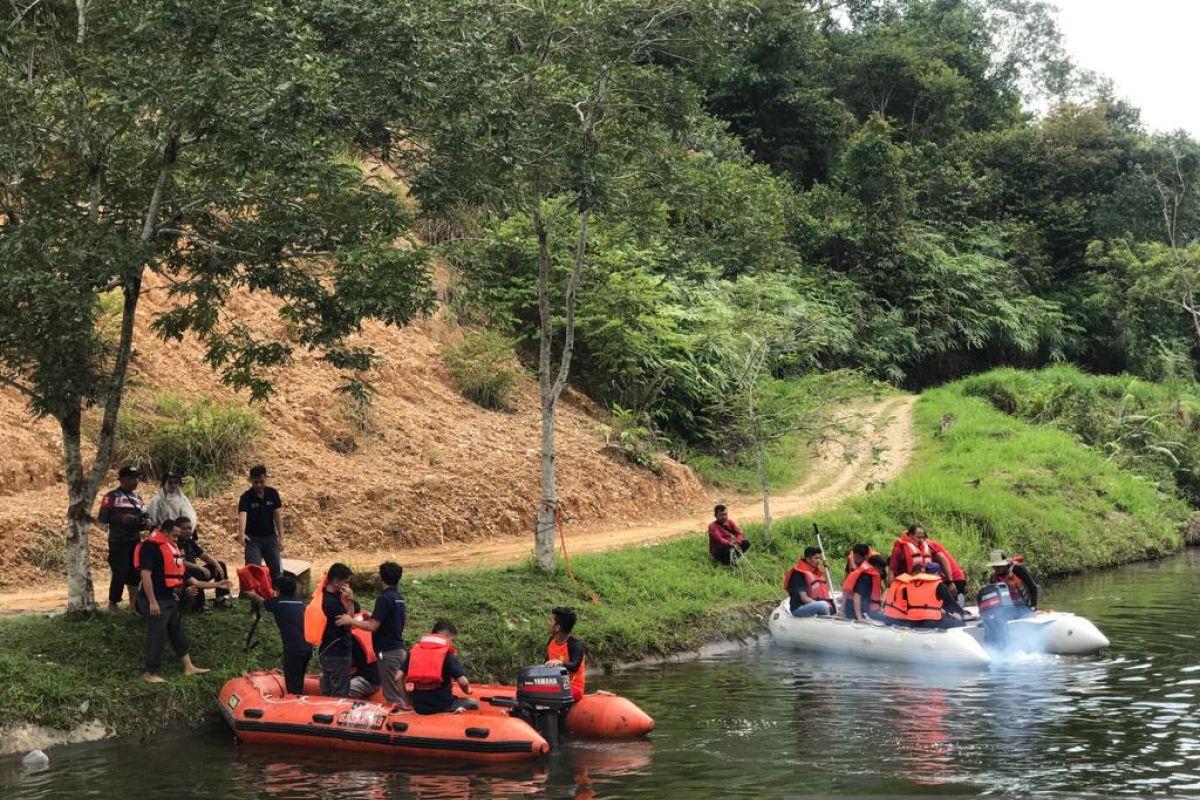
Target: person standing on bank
(163, 584)
(123, 511)
(259, 523)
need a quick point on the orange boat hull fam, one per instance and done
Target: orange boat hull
(258, 710)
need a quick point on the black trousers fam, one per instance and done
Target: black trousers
(167, 626)
(295, 667)
(266, 550)
(724, 553)
(199, 600)
(120, 562)
(335, 675)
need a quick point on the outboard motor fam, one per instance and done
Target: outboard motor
(543, 700)
(996, 610)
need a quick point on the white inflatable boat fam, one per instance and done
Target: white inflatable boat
(1053, 632)
(955, 647)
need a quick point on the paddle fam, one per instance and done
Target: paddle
(824, 561)
(252, 634)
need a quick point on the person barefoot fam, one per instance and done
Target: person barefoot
(163, 584)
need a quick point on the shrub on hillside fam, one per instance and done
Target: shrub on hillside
(206, 438)
(484, 369)
(629, 432)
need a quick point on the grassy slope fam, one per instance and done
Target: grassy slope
(1040, 493)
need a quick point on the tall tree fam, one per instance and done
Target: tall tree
(561, 112)
(199, 142)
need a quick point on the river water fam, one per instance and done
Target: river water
(769, 722)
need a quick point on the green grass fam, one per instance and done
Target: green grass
(1040, 493)
(788, 462)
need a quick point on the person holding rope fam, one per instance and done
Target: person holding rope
(726, 542)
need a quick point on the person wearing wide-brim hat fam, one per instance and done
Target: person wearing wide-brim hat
(1012, 572)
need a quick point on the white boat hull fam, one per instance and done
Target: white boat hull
(955, 647)
(1059, 633)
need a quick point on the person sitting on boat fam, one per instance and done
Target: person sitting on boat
(564, 650)
(364, 670)
(1016, 576)
(807, 588)
(910, 551)
(433, 667)
(951, 571)
(857, 555)
(725, 539)
(862, 591)
(923, 600)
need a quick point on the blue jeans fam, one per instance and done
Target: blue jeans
(817, 608)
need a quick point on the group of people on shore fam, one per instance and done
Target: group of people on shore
(918, 585)
(153, 553)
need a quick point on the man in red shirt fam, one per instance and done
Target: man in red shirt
(725, 539)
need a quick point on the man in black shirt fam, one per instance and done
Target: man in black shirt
(259, 522)
(163, 581)
(288, 611)
(336, 642)
(386, 625)
(200, 565)
(123, 511)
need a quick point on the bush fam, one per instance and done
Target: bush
(630, 433)
(485, 369)
(205, 438)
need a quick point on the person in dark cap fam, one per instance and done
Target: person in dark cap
(124, 512)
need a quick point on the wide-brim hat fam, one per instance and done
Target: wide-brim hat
(999, 559)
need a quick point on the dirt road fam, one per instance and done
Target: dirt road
(880, 453)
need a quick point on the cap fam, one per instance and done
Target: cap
(129, 472)
(933, 566)
(999, 559)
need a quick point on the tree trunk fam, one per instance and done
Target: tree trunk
(81, 596)
(547, 523)
(766, 492)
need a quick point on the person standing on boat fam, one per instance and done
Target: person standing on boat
(862, 592)
(857, 555)
(910, 552)
(335, 639)
(564, 650)
(288, 610)
(386, 626)
(433, 667)
(725, 539)
(807, 588)
(1021, 586)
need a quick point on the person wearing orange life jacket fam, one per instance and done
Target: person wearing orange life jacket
(923, 600)
(162, 585)
(564, 650)
(433, 667)
(857, 555)
(951, 571)
(910, 551)
(324, 625)
(1021, 586)
(862, 591)
(807, 587)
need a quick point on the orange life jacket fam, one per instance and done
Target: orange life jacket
(425, 661)
(850, 565)
(818, 587)
(956, 572)
(909, 555)
(1016, 587)
(172, 558)
(914, 598)
(560, 652)
(256, 578)
(875, 601)
(364, 640)
(314, 615)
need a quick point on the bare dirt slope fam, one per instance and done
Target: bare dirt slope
(433, 469)
(883, 450)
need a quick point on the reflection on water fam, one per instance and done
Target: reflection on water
(766, 721)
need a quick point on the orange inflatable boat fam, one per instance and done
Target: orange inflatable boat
(512, 723)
